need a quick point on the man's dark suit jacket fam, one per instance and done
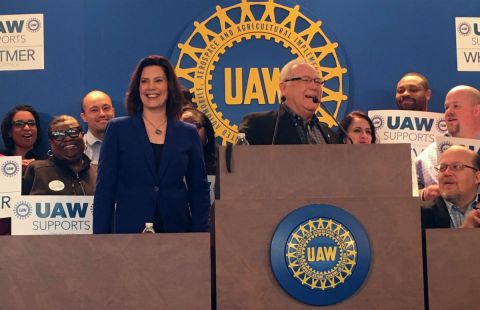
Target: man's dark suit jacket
(436, 215)
(259, 128)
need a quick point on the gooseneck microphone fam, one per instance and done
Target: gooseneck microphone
(315, 100)
(282, 102)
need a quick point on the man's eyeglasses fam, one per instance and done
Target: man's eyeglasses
(306, 80)
(453, 167)
(21, 123)
(60, 135)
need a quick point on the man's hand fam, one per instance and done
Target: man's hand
(430, 192)
(472, 220)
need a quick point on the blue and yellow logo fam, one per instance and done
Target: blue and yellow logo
(231, 60)
(320, 254)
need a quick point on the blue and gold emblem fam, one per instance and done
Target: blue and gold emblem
(320, 254)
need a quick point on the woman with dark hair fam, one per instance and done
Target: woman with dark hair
(151, 167)
(207, 136)
(359, 128)
(20, 133)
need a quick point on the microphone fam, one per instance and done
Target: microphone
(315, 100)
(275, 130)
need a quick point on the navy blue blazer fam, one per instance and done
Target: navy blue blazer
(129, 187)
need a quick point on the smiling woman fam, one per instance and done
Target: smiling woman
(68, 170)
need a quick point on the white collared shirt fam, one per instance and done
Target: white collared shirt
(92, 147)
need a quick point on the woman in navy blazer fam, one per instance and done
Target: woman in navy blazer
(151, 166)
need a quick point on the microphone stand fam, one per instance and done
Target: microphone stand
(315, 100)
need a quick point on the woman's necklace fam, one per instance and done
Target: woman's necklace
(158, 130)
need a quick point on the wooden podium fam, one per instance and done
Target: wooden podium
(371, 182)
(154, 271)
(453, 272)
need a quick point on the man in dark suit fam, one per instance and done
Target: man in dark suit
(295, 121)
(458, 180)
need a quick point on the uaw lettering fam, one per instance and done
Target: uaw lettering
(45, 215)
(443, 143)
(21, 42)
(215, 61)
(414, 127)
(320, 254)
(468, 43)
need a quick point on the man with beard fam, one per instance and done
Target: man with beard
(67, 171)
(413, 92)
(458, 179)
(97, 110)
(295, 122)
(462, 115)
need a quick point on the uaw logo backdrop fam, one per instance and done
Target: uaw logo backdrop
(232, 56)
(444, 143)
(320, 254)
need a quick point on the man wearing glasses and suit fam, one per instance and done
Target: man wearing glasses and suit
(295, 121)
(458, 180)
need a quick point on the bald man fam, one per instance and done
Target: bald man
(97, 110)
(462, 115)
(458, 180)
(295, 121)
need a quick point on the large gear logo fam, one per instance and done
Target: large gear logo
(22, 210)
(257, 37)
(321, 254)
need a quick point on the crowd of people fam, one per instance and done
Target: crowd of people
(152, 165)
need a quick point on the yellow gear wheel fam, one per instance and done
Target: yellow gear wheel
(213, 36)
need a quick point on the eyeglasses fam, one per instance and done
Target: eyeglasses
(306, 80)
(453, 167)
(60, 135)
(21, 123)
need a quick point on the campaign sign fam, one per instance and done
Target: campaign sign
(21, 42)
(320, 254)
(443, 143)
(414, 127)
(52, 215)
(467, 31)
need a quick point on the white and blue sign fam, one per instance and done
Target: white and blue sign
(320, 254)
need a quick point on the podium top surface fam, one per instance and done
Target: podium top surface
(289, 171)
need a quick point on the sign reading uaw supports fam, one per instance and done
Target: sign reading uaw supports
(468, 43)
(10, 181)
(414, 127)
(230, 59)
(21, 42)
(320, 254)
(52, 215)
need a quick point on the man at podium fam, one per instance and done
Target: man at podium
(295, 121)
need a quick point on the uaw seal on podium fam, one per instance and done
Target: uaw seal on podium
(320, 254)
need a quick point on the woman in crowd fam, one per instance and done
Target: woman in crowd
(207, 136)
(67, 171)
(20, 130)
(151, 167)
(20, 133)
(359, 128)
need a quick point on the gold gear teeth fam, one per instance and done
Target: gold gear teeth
(205, 45)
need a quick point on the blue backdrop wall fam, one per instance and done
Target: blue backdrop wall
(95, 44)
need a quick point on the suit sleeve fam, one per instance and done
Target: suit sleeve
(27, 180)
(249, 126)
(197, 184)
(104, 200)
